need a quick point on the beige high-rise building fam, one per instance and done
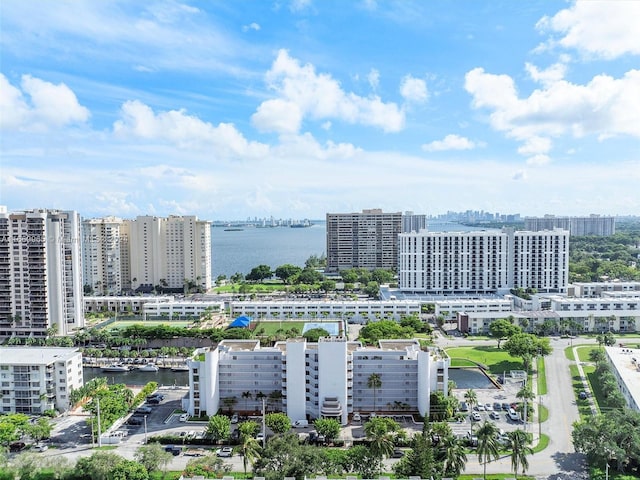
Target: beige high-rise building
(40, 273)
(363, 240)
(169, 252)
(102, 255)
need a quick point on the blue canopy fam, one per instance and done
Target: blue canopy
(241, 322)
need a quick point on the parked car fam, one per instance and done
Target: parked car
(144, 410)
(488, 407)
(175, 451)
(480, 407)
(224, 452)
(464, 407)
(300, 424)
(356, 417)
(134, 421)
(495, 415)
(505, 406)
(234, 418)
(475, 417)
(497, 407)
(184, 417)
(397, 453)
(582, 395)
(17, 446)
(40, 447)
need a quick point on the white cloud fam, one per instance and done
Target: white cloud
(374, 78)
(318, 97)
(604, 107)
(50, 106)
(252, 26)
(450, 142)
(547, 76)
(606, 29)
(299, 5)
(538, 160)
(414, 89)
(185, 131)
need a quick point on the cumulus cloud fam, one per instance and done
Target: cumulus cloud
(450, 142)
(547, 76)
(374, 78)
(251, 26)
(414, 89)
(604, 107)
(185, 131)
(319, 97)
(48, 106)
(604, 29)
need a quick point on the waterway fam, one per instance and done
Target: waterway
(466, 378)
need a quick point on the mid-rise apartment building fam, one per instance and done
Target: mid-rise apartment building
(36, 379)
(329, 378)
(363, 240)
(577, 226)
(40, 273)
(483, 262)
(625, 366)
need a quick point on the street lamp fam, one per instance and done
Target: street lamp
(145, 429)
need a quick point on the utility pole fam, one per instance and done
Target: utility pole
(145, 429)
(264, 434)
(99, 430)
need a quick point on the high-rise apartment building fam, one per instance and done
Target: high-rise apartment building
(102, 259)
(577, 226)
(363, 240)
(480, 262)
(412, 222)
(169, 251)
(40, 273)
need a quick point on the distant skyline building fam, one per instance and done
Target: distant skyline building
(363, 240)
(40, 273)
(412, 222)
(483, 262)
(577, 226)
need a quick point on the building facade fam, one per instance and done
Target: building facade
(36, 379)
(169, 251)
(483, 262)
(577, 226)
(625, 366)
(40, 273)
(363, 240)
(330, 378)
(102, 259)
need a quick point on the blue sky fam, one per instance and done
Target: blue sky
(298, 108)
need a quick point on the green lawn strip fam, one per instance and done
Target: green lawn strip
(584, 351)
(496, 360)
(583, 405)
(568, 352)
(542, 376)
(543, 413)
(118, 325)
(251, 288)
(542, 444)
(597, 474)
(494, 476)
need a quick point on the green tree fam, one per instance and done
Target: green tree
(249, 428)
(519, 444)
(419, 460)
(39, 430)
(309, 276)
(471, 397)
(219, 427)
(129, 470)
(328, 285)
(374, 382)
(98, 466)
(285, 457)
(488, 448)
(450, 452)
(279, 423)
(259, 273)
(502, 329)
(153, 457)
(250, 450)
(313, 334)
(380, 434)
(329, 427)
(527, 346)
(372, 290)
(287, 271)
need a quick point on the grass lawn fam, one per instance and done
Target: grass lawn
(542, 376)
(583, 405)
(583, 352)
(543, 413)
(497, 361)
(251, 288)
(117, 325)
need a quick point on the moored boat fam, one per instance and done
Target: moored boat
(115, 367)
(149, 367)
(180, 368)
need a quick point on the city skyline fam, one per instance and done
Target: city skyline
(293, 109)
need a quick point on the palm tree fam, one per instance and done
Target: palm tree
(374, 381)
(380, 439)
(519, 450)
(451, 452)
(249, 449)
(488, 449)
(472, 399)
(246, 395)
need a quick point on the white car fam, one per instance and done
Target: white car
(224, 452)
(234, 418)
(40, 447)
(184, 417)
(356, 417)
(475, 417)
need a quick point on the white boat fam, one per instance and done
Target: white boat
(149, 367)
(115, 367)
(180, 368)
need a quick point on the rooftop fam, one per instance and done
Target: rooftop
(627, 362)
(35, 355)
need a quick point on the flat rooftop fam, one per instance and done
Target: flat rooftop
(35, 355)
(626, 361)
